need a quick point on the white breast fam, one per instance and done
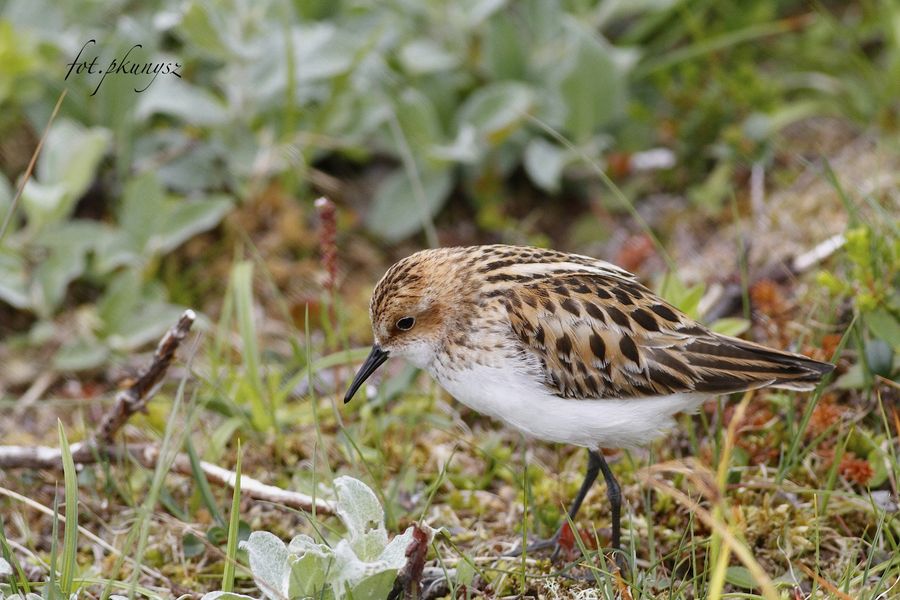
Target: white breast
(505, 393)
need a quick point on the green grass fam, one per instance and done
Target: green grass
(716, 509)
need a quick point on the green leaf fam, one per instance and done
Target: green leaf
(176, 98)
(423, 56)
(118, 304)
(593, 82)
(80, 355)
(225, 596)
(6, 196)
(14, 280)
(192, 546)
(879, 357)
(142, 209)
(52, 278)
(269, 563)
(183, 219)
(686, 299)
(419, 122)
(398, 211)
(66, 167)
(544, 163)
(358, 507)
(885, 326)
(741, 577)
(711, 193)
(201, 27)
(732, 326)
(149, 321)
(506, 50)
(879, 461)
(155, 223)
(497, 110)
(311, 565)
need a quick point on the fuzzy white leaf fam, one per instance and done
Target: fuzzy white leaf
(269, 563)
(359, 509)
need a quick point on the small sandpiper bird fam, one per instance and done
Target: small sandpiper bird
(564, 348)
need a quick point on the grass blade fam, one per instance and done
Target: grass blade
(234, 521)
(202, 483)
(8, 556)
(70, 537)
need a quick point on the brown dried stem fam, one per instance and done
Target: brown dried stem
(132, 400)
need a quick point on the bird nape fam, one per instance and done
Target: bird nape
(564, 348)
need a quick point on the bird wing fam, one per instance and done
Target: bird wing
(598, 333)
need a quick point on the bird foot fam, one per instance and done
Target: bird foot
(539, 546)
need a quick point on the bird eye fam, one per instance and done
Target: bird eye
(406, 323)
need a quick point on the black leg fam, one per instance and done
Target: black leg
(614, 493)
(595, 465)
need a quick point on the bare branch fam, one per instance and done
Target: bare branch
(135, 397)
(43, 457)
(132, 400)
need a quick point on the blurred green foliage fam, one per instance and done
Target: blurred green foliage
(457, 99)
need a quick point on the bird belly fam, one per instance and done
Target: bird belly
(524, 403)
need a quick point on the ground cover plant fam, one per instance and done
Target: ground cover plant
(742, 160)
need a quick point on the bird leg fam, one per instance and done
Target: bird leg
(596, 463)
(614, 493)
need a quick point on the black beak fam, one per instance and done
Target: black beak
(373, 361)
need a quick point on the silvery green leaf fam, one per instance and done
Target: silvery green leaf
(507, 49)
(13, 280)
(175, 97)
(142, 209)
(70, 156)
(732, 326)
(394, 554)
(5, 568)
(358, 507)
(463, 149)
(42, 203)
(80, 355)
(423, 55)
(400, 207)
(52, 278)
(202, 26)
(149, 321)
(348, 570)
(375, 586)
(474, 12)
(66, 167)
(301, 544)
(309, 571)
(593, 81)
(321, 51)
(6, 196)
(418, 121)
(222, 596)
(497, 110)
(544, 163)
(185, 218)
(269, 563)
(114, 248)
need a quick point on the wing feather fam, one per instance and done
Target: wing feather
(598, 333)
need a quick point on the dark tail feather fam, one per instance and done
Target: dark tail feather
(744, 365)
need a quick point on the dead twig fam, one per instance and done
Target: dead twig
(43, 457)
(134, 399)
